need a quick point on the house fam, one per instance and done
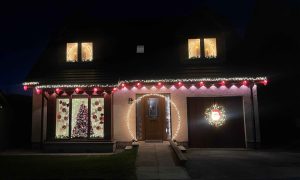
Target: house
(101, 84)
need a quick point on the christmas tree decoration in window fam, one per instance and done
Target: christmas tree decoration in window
(210, 47)
(97, 118)
(72, 52)
(215, 115)
(194, 48)
(80, 118)
(87, 51)
(62, 119)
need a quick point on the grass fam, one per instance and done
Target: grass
(116, 166)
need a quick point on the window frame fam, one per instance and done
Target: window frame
(79, 53)
(202, 58)
(75, 96)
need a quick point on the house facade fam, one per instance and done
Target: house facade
(102, 85)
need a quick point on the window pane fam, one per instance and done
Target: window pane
(80, 117)
(194, 48)
(62, 118)
(140, 49)
(97, 118)
(87, 51)
(153, 107)
(210, 46)
(72, 52)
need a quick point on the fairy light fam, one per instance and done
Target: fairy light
(159, 95)
(139, 82)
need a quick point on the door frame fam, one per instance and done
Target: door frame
(164, 121)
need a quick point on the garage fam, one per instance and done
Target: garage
(215, 122)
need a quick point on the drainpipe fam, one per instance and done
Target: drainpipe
(253, 116)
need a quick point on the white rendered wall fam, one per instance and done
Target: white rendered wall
(179, 97)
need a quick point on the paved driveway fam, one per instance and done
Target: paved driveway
(242, 164)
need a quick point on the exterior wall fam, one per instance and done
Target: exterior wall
(36, 118)
(121, 108)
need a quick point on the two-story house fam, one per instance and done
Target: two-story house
(102, 84)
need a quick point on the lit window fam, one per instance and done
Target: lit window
(86, 51)
(87, 118)
(72, 52)
(210, 47)
(62, 118)
(97, 118)
(80, 118)
(194, 48)
(140, 49)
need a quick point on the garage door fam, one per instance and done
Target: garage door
(210, 134)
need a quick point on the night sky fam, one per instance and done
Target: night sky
(26, 26)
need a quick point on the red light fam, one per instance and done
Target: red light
(77, 90)
(138, 84)
(180, 83)
(25, 88)
(123, 85)
(95, 90)
(159, 84)
(114, 89)
(57, 90)
(38, 91)
(245, 83)
(222, 83)
(201, 84)
(265, 82)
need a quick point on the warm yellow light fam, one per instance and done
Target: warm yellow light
(87, 51)
(210, 47)
(72, 52)
(194, 48)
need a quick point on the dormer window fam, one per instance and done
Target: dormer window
(210, 47)
(195, 46)
(86, 51)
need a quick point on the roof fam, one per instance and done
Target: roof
(115, 57)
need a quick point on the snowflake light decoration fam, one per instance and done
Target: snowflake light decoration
(215, 115)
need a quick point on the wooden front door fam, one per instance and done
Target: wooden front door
(153, 113)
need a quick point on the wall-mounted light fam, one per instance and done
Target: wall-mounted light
(130, 100)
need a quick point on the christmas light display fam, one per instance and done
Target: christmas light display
(138, 82)
(215, 115)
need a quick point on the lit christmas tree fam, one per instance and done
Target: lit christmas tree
(81, 127)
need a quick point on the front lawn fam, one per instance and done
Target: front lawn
(117, 166)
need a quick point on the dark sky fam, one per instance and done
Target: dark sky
(26, 26)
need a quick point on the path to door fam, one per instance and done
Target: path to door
(155, 161)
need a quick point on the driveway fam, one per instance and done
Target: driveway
(242, 164)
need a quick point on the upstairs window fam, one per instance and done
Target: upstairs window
(210, 47)
(85, 53)
(194, 48)
(204, 47)
(72, 52)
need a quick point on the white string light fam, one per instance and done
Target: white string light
(220, 79)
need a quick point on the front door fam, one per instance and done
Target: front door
(153, 113)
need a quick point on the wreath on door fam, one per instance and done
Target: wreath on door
(215, 115)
